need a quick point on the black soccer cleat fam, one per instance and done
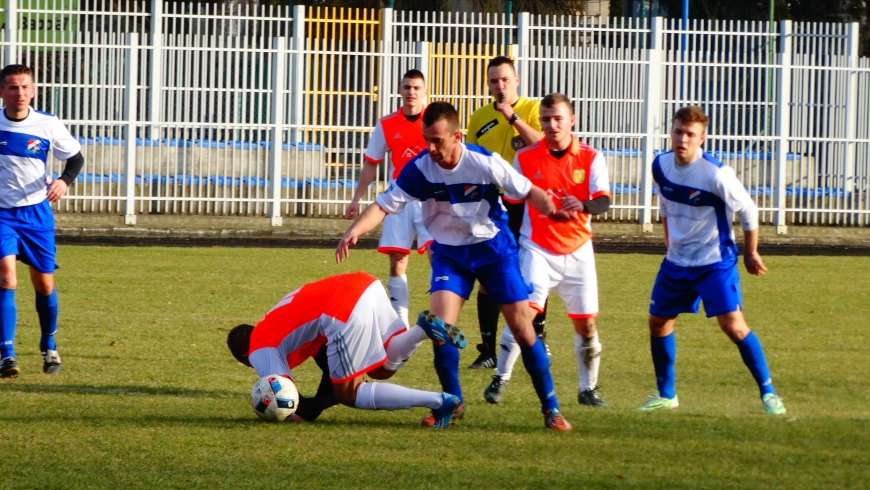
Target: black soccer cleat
(543, 337)
(51, 362)
(590, 398)
(9, 368)
(486, 359)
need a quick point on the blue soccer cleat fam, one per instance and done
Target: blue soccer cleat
(444, 414)
(437, 330)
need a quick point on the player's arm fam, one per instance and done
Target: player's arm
(376, 152)
(518, 187)
(528, 132)
(64, 147)
(737, 198)
(599, 190)
(366, 222)
(311, 408)
(58, 187)
(751, 257)
(665, 230)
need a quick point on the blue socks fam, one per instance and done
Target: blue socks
(46, 308)
(538, 366)
(8, 318)
(664, 355)
(447, 367)
(753, 357)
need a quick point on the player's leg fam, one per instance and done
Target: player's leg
(8, 313)
(720, 291)
(398, 284)
(487, 318)
(587, 353)
(397, 237)
(46, 309)
(357, 393)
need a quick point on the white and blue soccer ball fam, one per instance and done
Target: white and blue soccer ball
(274, 398)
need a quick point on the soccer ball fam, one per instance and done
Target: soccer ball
(274, 398)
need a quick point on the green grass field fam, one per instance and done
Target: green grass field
(150, 396)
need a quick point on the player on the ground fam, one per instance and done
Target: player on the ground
(559, 255)
(350, 314)
(26, 219)
(508, 124)
(698, 197)
(400, 133)
(458, 186)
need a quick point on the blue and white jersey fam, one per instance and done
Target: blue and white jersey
(461, 206)
(24, 148)
(699, 201)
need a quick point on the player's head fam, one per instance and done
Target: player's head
(557, 119)
(412, 88)
(239, 342)
(441, 131)
(16, 86)
(688, 133)
(502, 79)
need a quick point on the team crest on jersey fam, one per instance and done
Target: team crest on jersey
(517, 143)
(579, 176)
(411, 152)
(33, 146)
(470, 190)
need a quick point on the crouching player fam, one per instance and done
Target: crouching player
(698, 199)
(352, 316)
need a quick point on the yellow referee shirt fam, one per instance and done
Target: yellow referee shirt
(489, 128)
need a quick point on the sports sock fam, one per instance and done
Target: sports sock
(753, 357)
(508, 354)
(447, 368)
(540, 320)
(487, 317)
(386, 396)
(664, 355)
(398, 288)
(46, 308)
(402, 346)
(8, 318)
(587, 351)
(538, 366)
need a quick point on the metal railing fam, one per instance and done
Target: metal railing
(188, 108)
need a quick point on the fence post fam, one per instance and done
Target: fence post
(850, 160)
(386, 79)
(129, 132)
(279, 72)
(783, 120)
(652, 117)
(522, 51)
(423, 59)
(298, 73)
(156, 79)
(11, 55)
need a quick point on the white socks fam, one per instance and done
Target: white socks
(403, 346)
(386, 396)
(509, 352)
(587, 351)
(398, 289)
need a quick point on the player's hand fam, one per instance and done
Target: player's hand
(503, 107)
(342, 250)
(294, 419)
(56, 190)
(571, 203)
(562, 216)
(352, 210)
(753, 263)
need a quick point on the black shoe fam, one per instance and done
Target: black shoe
(9, 368)
(486, 360)
(543, 337)
(51, 362)
(590, 398)
(494, 392)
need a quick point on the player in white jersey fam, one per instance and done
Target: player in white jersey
(698, 197)
(400, 134)
(26, 219)
(458, 186)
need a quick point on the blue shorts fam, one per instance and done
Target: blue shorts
(502, 278)
(681, 289)
(28, 232)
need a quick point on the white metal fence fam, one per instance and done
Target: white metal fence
(196, 109)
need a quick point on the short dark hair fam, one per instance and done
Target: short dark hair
(437, 111)
(692, 114)
(553, 99)
(14, 70)
(501, 60)
(413, 74)
(239, 342)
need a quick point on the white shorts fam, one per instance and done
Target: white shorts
(356, 346)
(572, 276)
(397, 234)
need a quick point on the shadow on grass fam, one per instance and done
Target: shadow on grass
(128, 390)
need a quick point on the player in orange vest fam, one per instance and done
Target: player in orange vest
(351, 316)
(558, 255)
(400, 134)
